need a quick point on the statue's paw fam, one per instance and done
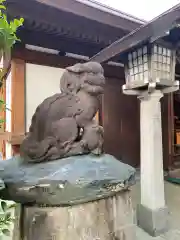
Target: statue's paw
(97, 151)
(101, 129)
(83, 144)
(98, 129)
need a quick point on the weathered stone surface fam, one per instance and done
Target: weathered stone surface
(105, 219)
(67, 181)
(153, 221)
(1, 184)
(63, 125)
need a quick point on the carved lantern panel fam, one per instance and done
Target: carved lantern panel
(150, 63)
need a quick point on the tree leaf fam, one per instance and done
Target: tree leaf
(21, 20)
(4, 205)
(2, 7)
(2, 1)
(7, 216)
(12, 206)
(6, 232)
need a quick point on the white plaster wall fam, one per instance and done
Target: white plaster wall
(41, 82)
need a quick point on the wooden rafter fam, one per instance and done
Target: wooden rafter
(149, 32)
(93, 12)
(47, 59)
(64, 26)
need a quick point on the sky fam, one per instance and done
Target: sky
(144, 9)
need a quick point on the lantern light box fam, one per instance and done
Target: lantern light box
(150, 63)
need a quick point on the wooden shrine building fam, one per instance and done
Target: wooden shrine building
(59, 33)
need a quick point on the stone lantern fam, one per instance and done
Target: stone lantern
(149, 56)
(150, 73)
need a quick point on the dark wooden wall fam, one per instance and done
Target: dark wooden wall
(120, 119)
(167, 130)
(121, 122)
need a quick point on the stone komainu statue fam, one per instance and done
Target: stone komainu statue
(63, 124)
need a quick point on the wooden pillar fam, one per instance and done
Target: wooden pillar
(168, 130)
(97, 117)
(18, 102)
(171, 132)
(3, 117)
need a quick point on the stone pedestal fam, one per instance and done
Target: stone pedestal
(106, 219)
(152, 213)
(81, 198)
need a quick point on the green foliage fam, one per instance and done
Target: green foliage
(6, 218)
(8, 35)
(8, 38)
(8, 29)
(2, 107)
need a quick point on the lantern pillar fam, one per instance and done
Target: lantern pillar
(152, 213)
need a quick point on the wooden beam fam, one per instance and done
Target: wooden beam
(150, 31)
(3, 117)
(52, 60)
(171, 132)
(18, 97)
(52, 9)
(96, 12)
(60, 42)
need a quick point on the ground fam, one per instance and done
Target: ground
(173, 202)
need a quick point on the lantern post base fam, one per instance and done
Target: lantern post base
(153, 221)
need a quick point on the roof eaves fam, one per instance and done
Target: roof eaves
(112, 11)
(152, 30)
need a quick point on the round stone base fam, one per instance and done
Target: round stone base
(105, 219)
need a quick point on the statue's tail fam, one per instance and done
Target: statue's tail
(33, 151)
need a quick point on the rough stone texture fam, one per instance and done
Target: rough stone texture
(16, 232)
(155, 222)
(172, 193)
(62, 124)
(106, 219)
(1, 184)
(152, 179)
(66, 181)
(173, 200)
(153, 208)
